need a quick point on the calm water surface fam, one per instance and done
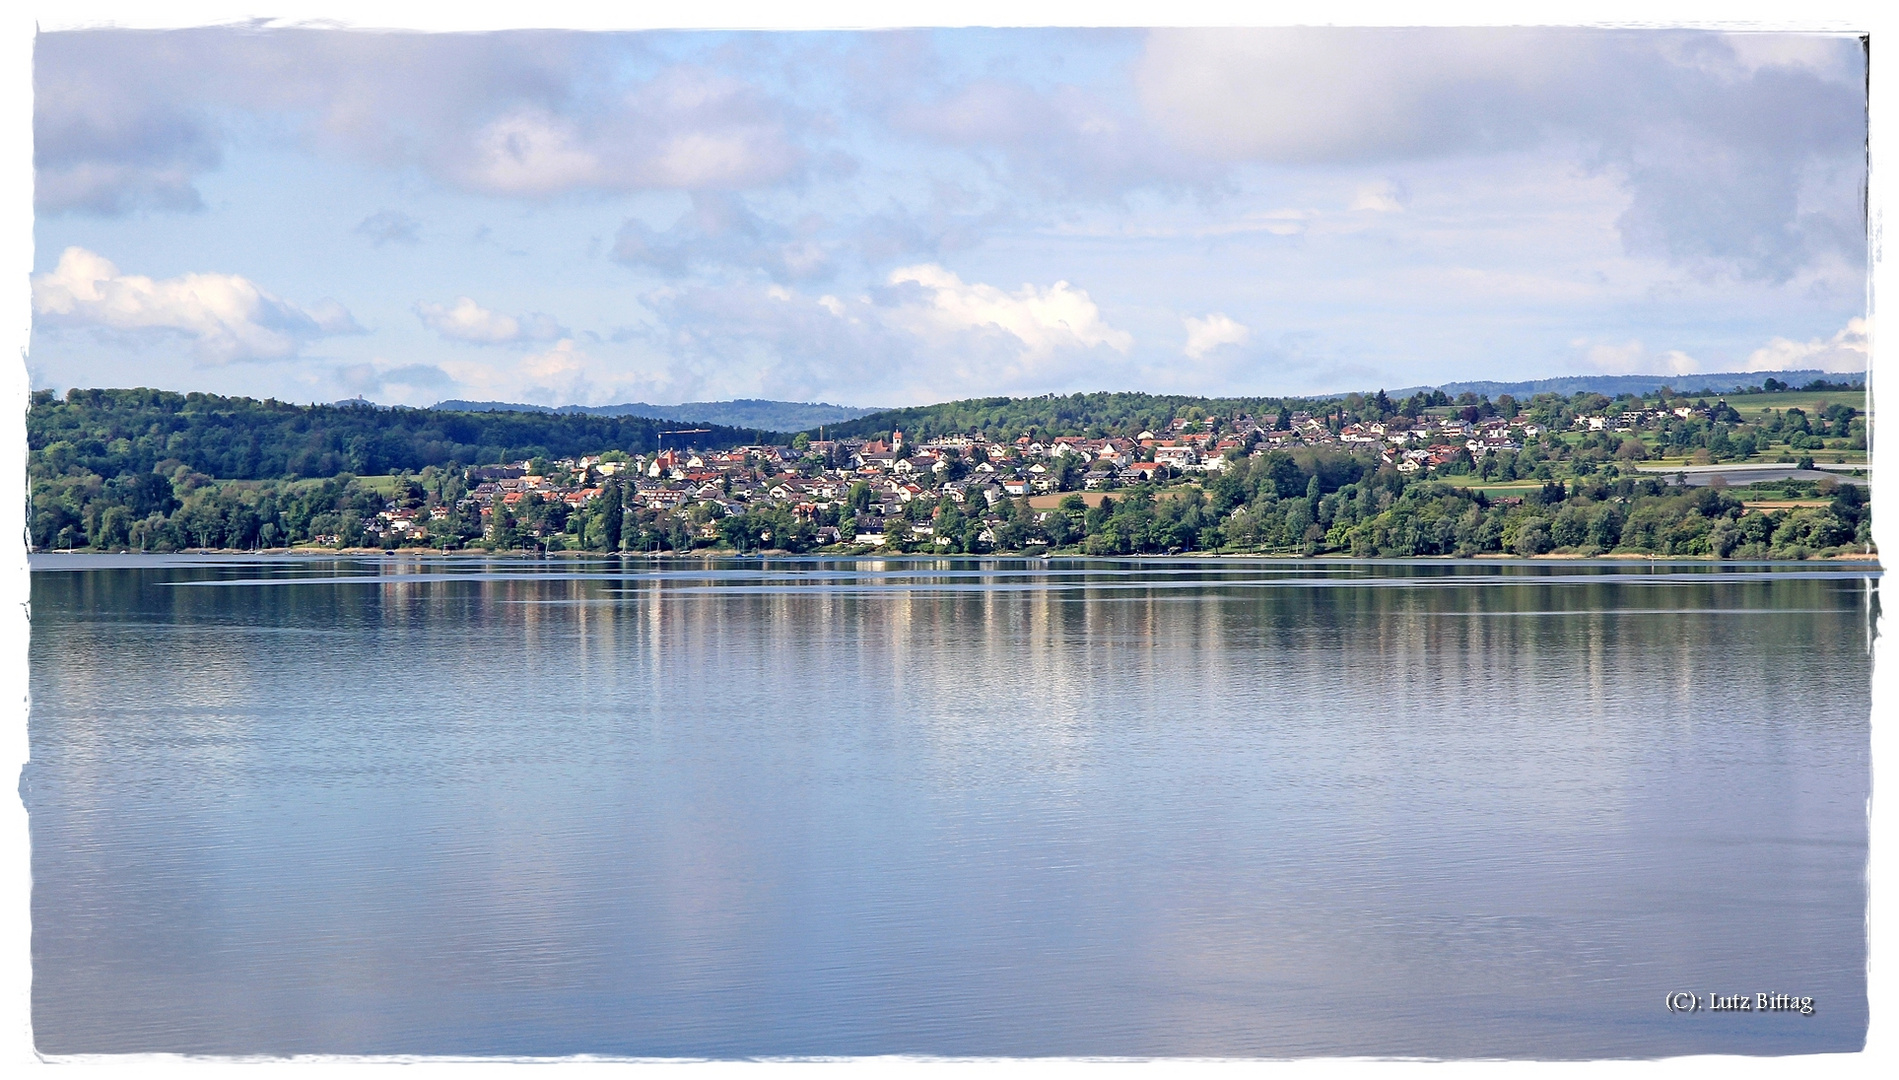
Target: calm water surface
(949, 806)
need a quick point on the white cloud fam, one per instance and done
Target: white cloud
(469, 322)
(1633, 358)
(1676, 362)
(1844, 351)
(1043, 320)
(1384, 198)
(394, 384)
(531, 152)
(227, 317)
(1712, 135)
(129, 119)
(562, 374)
(1212, 332)
(896, 345)
(687, 129)
(561, 360)
(1317, 94)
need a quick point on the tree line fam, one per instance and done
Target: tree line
(114, 433)
(98, 480)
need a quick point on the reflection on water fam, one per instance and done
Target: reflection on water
(945, 806)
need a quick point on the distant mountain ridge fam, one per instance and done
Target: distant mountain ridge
(1719, 382)
(738, 413)
(1054, 412)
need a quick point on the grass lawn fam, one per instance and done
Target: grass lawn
(1771, 457)
(1752, 405)
(1782, 504)
(1501, 487)
(1093, 498)
(381, 485)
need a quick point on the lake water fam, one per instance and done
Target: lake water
(945, 806)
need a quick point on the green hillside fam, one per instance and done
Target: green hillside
(113, 432)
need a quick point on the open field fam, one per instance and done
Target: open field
(381, 484)
(1053, 499)
(1093, 498)
(1502, 487)
(1752, 405)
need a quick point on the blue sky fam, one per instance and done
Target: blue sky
(902, 217)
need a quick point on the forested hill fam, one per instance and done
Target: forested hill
(113, 432)
(1095, 415)
(1120, 414)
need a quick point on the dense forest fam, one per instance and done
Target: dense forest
(113, 433)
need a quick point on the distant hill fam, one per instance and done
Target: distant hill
(1122, 413)
(1722, 382)
(740, 413)
(116, 432)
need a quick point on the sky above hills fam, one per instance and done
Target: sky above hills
(897, 218)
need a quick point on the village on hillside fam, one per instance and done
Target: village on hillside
(867, 491)
(808, 476)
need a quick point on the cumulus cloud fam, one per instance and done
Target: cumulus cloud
(557, 372)
(1847, 350)
(1720, 139)
(1634, 358)
(224, 316)
(1043, 320)
(721, 233)
(565, 373)
(403, 384)
(470, 323)
(129, 119)
(1741, 154)
(689, 130)
(1212, 332)
(390, 227)
(926, 336)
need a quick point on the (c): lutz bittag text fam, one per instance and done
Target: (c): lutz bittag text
(1690, 1002)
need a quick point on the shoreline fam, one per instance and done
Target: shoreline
(710, 553)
